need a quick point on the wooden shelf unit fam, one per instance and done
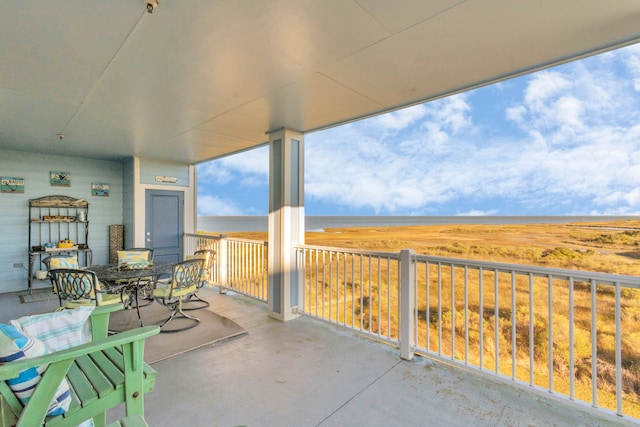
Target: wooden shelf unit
(63, 215)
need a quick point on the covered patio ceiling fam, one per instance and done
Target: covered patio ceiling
(200, 79)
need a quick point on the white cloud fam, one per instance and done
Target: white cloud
(253, 165)
(400, 119)
(250, 162)
(213, 172)
(212, 205)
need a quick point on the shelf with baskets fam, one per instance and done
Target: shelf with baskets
(58, 225)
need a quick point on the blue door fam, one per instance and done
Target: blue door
(164, 224)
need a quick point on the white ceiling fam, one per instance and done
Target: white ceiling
(199, 79)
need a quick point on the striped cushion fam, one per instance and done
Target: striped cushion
(15, 345)
(58, 330)
(134, 260)
(132, 256)
(64, 262)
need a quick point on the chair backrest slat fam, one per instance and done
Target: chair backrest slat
(74, 284)
(186, 274)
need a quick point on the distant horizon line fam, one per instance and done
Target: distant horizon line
(443, 216)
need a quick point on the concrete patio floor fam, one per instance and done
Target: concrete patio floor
(309, 373)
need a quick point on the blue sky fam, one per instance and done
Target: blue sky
(563, 141)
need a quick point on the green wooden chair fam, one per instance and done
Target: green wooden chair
(103, 373)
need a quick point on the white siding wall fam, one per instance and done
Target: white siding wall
(14, 208)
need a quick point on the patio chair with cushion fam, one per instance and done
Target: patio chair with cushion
(77, 287)
(194, 300)
(136, 259)
(183, 283)
(60, 261)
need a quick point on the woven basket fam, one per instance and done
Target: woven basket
(116, 242)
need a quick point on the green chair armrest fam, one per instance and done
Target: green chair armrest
(11, 370)
(100, 319)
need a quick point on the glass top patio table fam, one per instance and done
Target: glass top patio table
(129, 280)
(109, 273)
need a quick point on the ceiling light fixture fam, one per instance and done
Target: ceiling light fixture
(151, 4)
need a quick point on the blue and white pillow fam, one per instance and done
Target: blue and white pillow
(16, 345)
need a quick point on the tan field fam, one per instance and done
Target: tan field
(609, 247)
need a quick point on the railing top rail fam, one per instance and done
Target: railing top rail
(630, 281)
(204, 236)
(240, 239)
(392, 255)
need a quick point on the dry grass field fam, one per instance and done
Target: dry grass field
(610, 247)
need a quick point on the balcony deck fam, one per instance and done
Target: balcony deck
(309, 373)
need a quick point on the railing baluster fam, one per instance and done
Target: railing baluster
(466, 315)
(481, 314)
(427, 306)
(379, 300)
(439, 309)
(389, 297)
(370, 297)
(571, 342)
(324, 287)
(513, 326)
(453, 313)
(594, 347)
(496, 313)
(618, 350)
(353, 290)
(345, 290)
(532, 347)
(550, 329)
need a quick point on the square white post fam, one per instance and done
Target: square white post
(286, 220)
(407, 304)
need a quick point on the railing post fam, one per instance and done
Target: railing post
(301, 268)
(407, 304)
(222, 264)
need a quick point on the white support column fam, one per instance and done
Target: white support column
(407, 304)
(222, 264)
(286, 220)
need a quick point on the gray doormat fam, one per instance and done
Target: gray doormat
(38, 295)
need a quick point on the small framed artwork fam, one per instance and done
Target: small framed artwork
(60, 179)
(11, 184)
(100, 189)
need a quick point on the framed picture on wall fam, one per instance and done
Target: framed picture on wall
(11, 184)
(60, 179)
(100, 189)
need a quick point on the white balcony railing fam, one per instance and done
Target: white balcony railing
(239, 265)
(567, 332)
(571, 333)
